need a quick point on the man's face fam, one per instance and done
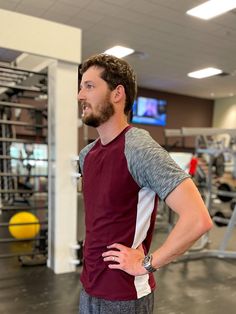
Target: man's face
(94, 97)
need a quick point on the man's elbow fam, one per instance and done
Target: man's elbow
(205, 225)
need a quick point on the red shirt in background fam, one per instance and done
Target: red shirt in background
(193, 166)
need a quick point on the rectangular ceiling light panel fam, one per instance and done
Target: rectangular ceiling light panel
(119, 51)
(212, 8)
(207, 72)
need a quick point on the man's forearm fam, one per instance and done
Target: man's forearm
(181, 238)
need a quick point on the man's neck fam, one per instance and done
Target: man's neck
(111, 129)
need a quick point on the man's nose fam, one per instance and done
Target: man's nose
(81, 94)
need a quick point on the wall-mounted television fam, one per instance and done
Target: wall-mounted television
(147, 110)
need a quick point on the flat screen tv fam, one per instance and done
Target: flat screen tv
(147, 110)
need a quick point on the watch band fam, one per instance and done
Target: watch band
(147, 264)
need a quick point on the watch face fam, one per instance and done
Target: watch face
(147, 264)
(147, 260)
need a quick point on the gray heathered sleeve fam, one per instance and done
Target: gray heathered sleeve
(150, 165)
(83, 154)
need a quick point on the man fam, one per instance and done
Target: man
(124, 173)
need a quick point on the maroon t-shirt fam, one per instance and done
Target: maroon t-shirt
(120, 207)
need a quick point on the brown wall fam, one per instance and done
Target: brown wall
(182, 111)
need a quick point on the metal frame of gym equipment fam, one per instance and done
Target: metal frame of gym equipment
(16, 76)
(200, 251)
(221, 252)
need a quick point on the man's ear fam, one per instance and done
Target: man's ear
(118, 93)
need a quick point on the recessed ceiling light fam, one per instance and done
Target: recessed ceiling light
(205, 73)
(212, 8)
(119, 51)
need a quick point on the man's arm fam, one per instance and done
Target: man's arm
(194, 220)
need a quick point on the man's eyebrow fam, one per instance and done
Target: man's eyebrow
(86, 82)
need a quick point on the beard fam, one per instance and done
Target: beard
(103, 114)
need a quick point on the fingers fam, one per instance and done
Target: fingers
(110, 256)
(120, 251)
(113, 255)
(114, 266)
(124, 258)
(116, 246)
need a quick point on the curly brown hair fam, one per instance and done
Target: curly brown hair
(116, 72)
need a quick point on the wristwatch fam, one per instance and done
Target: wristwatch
(147, 264)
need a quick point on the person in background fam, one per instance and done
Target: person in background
(151, 109)
(124, 174)
(193, 165)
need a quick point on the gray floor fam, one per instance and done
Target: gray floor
(201, 286)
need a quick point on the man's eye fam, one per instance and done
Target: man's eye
(89, 86)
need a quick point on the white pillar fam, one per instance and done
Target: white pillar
(62, 43)
(63, 129)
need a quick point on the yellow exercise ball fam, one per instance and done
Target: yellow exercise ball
(24, 231)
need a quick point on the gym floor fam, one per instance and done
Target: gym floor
(201, 286)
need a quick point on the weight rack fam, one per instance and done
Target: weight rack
(17, 85)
